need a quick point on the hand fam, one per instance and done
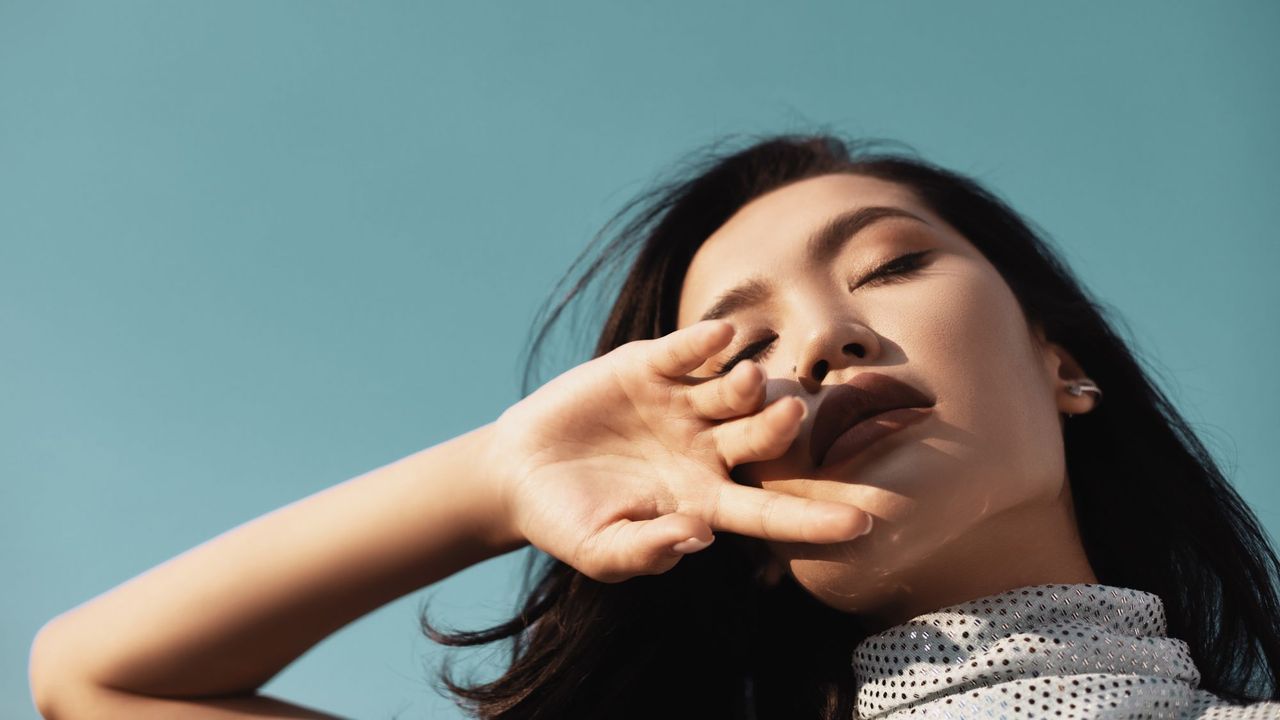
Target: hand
(610, 464)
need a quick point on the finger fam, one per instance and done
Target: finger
(676, 354)
(739, 392)
(762, 436)
(628, 548)
(786, 518)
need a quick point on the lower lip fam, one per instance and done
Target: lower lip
(857, 438)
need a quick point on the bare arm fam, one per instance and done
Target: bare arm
(220, 620)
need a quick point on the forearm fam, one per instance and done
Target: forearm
(227, 615)
(95, 702)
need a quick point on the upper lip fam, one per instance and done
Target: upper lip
(867, 394)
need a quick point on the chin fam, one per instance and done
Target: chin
(841, 585)
(854, 575)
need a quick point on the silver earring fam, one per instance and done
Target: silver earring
(1082, 386)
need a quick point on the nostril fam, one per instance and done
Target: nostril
(858, 350)
(820, 370)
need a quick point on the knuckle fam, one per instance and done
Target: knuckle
(724, 448)
(767, 511)
(724, 394)
(716, 510)
(651, 362)
(808, 509)
(673, 355)
(739, 397)
(697, 399)
(637, 355)
(751, 435)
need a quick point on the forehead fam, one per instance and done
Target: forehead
(772, 230)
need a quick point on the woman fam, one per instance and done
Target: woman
(840, 452)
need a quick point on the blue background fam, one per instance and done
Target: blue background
(249, 250)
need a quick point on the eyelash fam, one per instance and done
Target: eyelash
(894, 271)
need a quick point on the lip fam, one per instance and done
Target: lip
(861, 411)
(862, 435)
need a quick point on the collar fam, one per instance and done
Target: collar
(1015, 635)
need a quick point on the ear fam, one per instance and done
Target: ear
(1061, 371)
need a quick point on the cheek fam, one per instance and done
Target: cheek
(963, 335)
(992, 392)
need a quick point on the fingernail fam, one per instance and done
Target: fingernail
(693, 544)
(870, 523)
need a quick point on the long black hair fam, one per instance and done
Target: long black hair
(704, 640)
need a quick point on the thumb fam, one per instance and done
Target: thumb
(652, 547)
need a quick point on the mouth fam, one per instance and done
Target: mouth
(856, 414)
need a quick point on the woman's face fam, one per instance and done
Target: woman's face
(974, 498)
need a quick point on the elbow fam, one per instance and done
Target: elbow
(47, 685)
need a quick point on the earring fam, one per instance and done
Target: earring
(1081, 386)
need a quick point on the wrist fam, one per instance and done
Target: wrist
(494, 478)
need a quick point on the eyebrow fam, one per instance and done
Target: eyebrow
(820, 249)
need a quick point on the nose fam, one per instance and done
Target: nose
(832, 347)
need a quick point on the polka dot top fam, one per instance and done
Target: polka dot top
(1039, 651)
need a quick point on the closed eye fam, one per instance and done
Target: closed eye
(896, 270)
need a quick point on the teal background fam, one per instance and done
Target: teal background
(252, 249)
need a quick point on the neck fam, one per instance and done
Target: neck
(1030, 545)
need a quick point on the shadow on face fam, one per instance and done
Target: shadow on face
(973, 496)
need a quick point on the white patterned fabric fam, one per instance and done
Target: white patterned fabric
(1039, 651)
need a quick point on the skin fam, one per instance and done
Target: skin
(972, 501)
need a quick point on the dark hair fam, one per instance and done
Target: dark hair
(704, 640)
